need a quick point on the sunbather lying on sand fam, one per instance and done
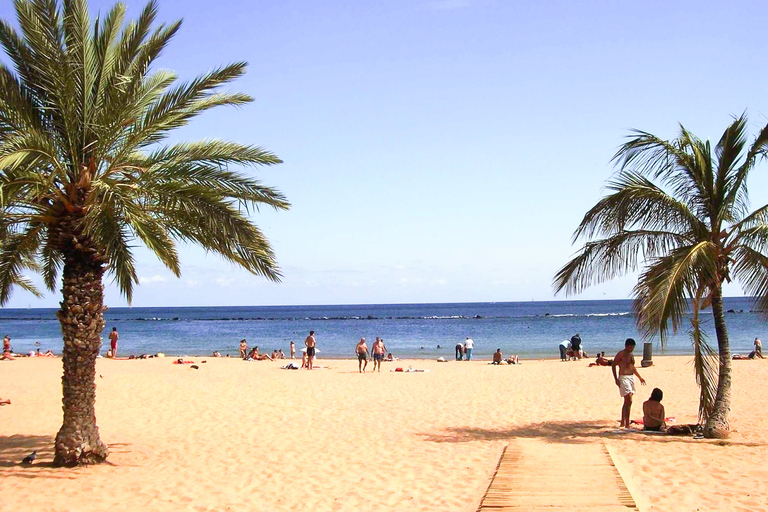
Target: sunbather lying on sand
(255, 356)
(5, 401)
(601, 360)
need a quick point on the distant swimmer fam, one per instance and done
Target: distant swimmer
(625, 380)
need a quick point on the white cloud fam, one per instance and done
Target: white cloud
(225, 281)
(153, 279)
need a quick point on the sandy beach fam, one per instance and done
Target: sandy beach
(235, 435)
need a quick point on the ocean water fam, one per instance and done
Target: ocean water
(530, 329)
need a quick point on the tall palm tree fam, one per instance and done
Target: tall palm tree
(85, 174)
(680, 211)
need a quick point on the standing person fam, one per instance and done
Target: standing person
(564, 347)
(293, 349)
(379, 349)
(469, 345)
(759, 348)
(113, 336)
(243, 349)
(362, 355)
(576, 346)
(625, 380)
(459, 351)
(311, 344)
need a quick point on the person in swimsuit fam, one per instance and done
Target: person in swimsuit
(759, 348)
(625, 380)
(311, 344)
(362, 355)
(113, 336)
(379, 349)
(293, 349)
(497, 357)
(243, 349)
(653, 412)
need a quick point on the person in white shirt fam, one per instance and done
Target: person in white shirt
(469, 344)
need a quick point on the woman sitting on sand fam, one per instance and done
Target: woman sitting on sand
(653, 412)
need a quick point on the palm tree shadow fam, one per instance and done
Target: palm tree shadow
(569, 432)
(14, 448)
(553, 431)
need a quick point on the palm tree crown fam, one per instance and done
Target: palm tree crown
(680, 211)
(82, 120)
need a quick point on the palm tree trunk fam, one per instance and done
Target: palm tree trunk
(82, 320)
(717, 423)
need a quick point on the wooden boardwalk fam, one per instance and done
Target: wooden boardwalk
(536, 475)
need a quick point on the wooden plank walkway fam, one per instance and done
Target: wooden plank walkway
(533, 474)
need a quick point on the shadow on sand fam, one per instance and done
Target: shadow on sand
(569, 432)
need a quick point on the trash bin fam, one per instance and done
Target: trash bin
(647, 354)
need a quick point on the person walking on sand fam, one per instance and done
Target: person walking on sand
(113, 336)
(625, 380)
(379, 349)
(469, 346)
(293, 349)
(311, 344)
(362, 355)
(759, 348)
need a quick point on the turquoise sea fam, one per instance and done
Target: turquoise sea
(530, 329)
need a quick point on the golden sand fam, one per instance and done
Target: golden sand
(237, 435)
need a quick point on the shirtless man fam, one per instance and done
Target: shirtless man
(626, 378)
(311, 344)
(379, 349)
(362, 355)
(759, 348)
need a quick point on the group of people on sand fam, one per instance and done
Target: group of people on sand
(378, 350)
(573, 349)
(254, 355)
(9, 355)
(654, 416)
(498, 358)
(464, 350)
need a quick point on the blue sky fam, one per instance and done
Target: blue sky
(445, 150)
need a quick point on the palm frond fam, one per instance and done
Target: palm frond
(705, 366)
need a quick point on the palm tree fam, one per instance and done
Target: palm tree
(680, 211)
(85, 174)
